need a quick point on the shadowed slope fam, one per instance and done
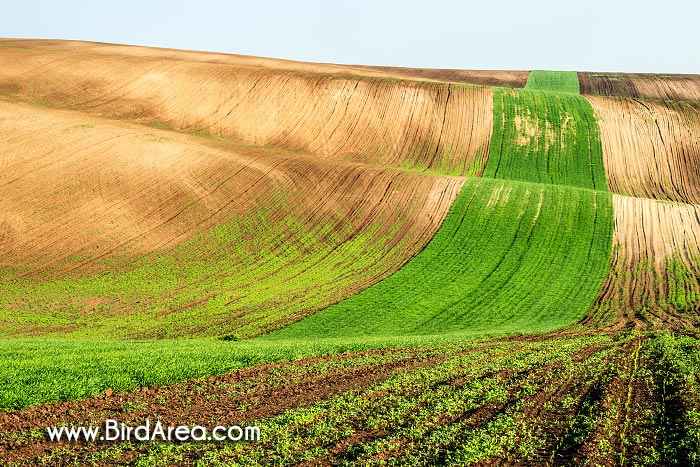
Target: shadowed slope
(128, 231)
(300, 107)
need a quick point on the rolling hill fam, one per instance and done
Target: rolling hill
(375, 265)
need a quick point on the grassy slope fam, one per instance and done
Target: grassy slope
(40, 370)
(537, 206)
(486, 268)
(545, 137)
(249, 275)
(560, 81)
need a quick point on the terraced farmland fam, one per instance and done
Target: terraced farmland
(375, 265)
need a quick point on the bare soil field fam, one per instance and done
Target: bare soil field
(650, 86)
(81, 195)
(514, 79)
(650, 149)
(426, 126)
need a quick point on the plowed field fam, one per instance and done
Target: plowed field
(420, 125)
(157, 206)
(115, 229)
(651, 149)
(650, 86)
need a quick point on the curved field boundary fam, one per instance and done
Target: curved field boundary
(651, 86)
(560, 81)
(545, 137)
(186, 236)
(509, 258)
(654, 278)
(650, 149)
(438, 127)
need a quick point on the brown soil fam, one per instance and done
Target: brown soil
(651, 239)
(651, 86)
(300, 107)
(650, 149)
(508, 79)
(516, 79)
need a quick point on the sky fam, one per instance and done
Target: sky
(591, 35)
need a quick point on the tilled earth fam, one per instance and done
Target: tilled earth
(571, 398)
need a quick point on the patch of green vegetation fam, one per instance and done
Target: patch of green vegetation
(510, 257)
(560, 81)
(394, 422)
(545, 137)
(250, 275)
(40, 370)
(152, 137)
(677, 365)
(651, 292)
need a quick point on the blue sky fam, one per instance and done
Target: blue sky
(595, 35)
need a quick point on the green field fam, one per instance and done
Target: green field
(545, 137)
(37, 371)
(485, 269)
(560, 81)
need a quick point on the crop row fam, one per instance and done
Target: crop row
(480, 402)
(564, 399)
(653, 278)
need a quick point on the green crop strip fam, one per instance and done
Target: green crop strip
(545, 137)
(560, 81)
(510, 257)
